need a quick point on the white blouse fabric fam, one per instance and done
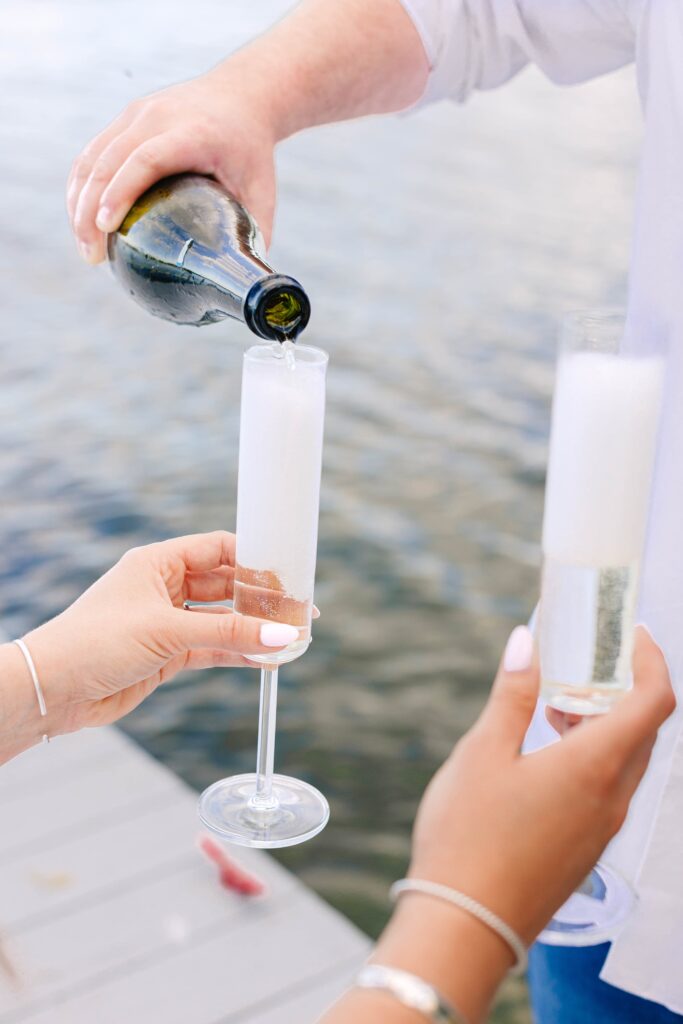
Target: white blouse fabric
(479, 44)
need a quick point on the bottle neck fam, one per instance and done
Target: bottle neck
(277, 308)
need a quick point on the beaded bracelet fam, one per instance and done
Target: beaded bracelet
(466, 903)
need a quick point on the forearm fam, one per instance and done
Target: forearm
(444, 946)
(331, 60)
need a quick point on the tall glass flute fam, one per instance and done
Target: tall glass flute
(602, 447)
(278, 496)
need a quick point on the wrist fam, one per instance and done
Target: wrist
(448, 948)
(498, 881)
(22, 724)
(53, 657)
(259, 80)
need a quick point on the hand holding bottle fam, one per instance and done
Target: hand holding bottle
(324, 62)
(216, 125)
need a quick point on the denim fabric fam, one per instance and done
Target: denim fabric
(566, 989)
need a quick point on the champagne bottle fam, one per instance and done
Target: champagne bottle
(189, 252)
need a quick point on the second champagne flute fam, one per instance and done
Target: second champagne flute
(602, 448)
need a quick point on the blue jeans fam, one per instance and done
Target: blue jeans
(566, 989)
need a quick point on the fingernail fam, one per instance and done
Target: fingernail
(104, 219)
(519, 651)
(277, 634)
(315, 614)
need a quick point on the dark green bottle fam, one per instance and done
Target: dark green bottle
(188, 252)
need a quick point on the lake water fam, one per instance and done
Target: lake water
(439, 251)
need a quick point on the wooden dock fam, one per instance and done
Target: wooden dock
(110, 915)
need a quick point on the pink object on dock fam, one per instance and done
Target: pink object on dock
(231, 875)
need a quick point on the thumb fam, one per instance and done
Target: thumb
(511, 705)
(197, 630)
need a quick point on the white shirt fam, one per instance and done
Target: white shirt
(479, 44)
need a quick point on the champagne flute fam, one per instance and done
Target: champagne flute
(278, 497)
(602, 448)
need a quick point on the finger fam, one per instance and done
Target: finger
(80, 171)
(315, 612)
(82, 165)
(511, 705)
(258, 194)
(236, 633)
(91, 240)
(168, 153)
(639, 714)
(214, 585)
(636, 767)
(205, 658)
(562, 721)
(649, 659)
(202, 552)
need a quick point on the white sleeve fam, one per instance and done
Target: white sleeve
(479, 44)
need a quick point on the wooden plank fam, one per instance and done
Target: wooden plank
(86, 868)
(109, 913)
(303, 1004)
(60, 758)
(93, 796)
(65, 954)
(226, 969)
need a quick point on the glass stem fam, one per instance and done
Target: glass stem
(265, 757)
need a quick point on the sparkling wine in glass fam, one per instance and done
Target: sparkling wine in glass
(602, 448)
(278, 497)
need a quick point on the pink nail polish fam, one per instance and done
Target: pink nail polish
(519, 651)
(278, 634)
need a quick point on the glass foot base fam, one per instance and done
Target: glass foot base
(295, 813)
(575, 700)
(594, 913)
